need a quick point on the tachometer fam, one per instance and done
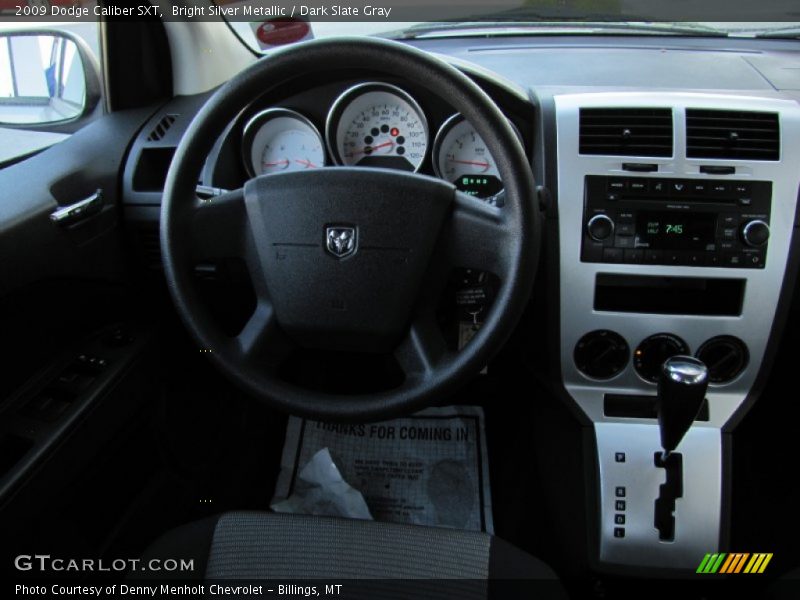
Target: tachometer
(461, 157)
(281, 140)
(377, 125)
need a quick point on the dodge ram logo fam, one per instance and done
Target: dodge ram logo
(340, 241)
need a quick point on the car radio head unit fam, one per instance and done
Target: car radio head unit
(690, 222)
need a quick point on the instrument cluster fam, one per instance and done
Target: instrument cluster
(372, 124)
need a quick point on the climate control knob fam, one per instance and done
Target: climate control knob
(601, 354)
(600, 227)
(726, 357)
(755, 233)
(653, 351)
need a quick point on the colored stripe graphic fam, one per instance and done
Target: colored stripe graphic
(703, 564)
(711, 563)
(758, 563)
(754, 563)
(735, 562)
(732, 558)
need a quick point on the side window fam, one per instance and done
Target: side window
(49, 84)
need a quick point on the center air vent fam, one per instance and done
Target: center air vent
(626, 131)
(732, 134)
(160, 130)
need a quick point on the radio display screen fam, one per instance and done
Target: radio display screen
(672, 230)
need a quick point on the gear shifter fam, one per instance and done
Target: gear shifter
(682, 385)
(682, 388)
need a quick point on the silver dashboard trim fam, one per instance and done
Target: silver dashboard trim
(698, 514)
(577, 279)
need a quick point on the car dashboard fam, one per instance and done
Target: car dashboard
(368, 121)
(668, 181)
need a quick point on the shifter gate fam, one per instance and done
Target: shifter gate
(668, 493)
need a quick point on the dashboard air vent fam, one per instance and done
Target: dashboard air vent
(160, 130)
(732, 134)
(626, 131)
(150, 247)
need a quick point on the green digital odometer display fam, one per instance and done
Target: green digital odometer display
(480, 186)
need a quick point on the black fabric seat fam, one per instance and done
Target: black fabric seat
(258, 546)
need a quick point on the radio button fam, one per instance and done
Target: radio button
(733, 260)
(659, 186)
(678, 187)
(674, 257)
(612, 255)
(754, 260)
(742, 188)
(617, 185)
(600, 228)
(653, 257)
(623, 241)
(638, 185)
(625, 228)
(634, 257)
(695, 259)
(699, 187)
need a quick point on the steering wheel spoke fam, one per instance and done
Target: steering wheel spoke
(477, 236)
(261, 340)
(218, 226)
(423, 349)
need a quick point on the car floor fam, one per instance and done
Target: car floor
(200, 447)
(203, 448)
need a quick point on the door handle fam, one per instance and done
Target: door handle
(67, 215)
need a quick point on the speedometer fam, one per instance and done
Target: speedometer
(377, 125)
(280, 140)
(461, 157)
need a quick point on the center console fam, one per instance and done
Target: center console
(676, 213)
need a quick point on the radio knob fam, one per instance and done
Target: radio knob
(755, 233)
(600, 227)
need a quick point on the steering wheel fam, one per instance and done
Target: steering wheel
(349, 258)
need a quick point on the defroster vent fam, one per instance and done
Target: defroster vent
(160, 130)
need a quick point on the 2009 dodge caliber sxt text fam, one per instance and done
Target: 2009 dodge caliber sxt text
(453, 300)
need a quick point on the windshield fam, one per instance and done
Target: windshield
(463, 18)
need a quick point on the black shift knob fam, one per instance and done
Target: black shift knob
(682, 388)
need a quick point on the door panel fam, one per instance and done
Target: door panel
(58, 281)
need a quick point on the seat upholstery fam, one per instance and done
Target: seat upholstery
(257, 546)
